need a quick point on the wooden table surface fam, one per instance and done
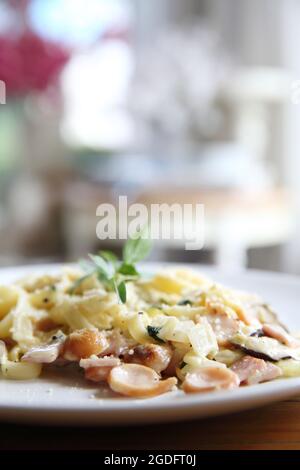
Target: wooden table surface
(273, 427)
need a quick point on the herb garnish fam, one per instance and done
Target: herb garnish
(137, 248)
(114, 273)
(185, 302)
(153, 332)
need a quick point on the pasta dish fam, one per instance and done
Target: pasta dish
(141, 336)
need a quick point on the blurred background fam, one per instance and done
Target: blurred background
(163, 101)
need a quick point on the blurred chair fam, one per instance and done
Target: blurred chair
(235, 221)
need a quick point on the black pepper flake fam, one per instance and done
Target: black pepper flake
(185, 302)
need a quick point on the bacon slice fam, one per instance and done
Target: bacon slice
(46, 325)
(117, 344)
(223, 326)
(208, 379)
(251, 370)
(150, 355)
(45, 354)
(94, 361)
(176, 360)
(84, 343)
(279, 333)
(134, 380)
(97, 369)
(215, 307)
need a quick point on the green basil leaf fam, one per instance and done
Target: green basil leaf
(104, 268)
(110, 284)
(102, 277)
(122, 292)
(138, 247)
(86, 265)
(108, 256)
(128, 270)
(77, 283)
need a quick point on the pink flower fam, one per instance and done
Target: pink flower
(30, 63)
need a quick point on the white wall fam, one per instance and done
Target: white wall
(290, 58)
(267, 32)
(257, 32)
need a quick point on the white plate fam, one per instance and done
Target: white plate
(69, 400)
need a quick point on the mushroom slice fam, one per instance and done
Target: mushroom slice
(258, 333)
(251, 370)
(262, 347)
(279, 333)
(135, 380)
(208, 379)
(45, 354)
